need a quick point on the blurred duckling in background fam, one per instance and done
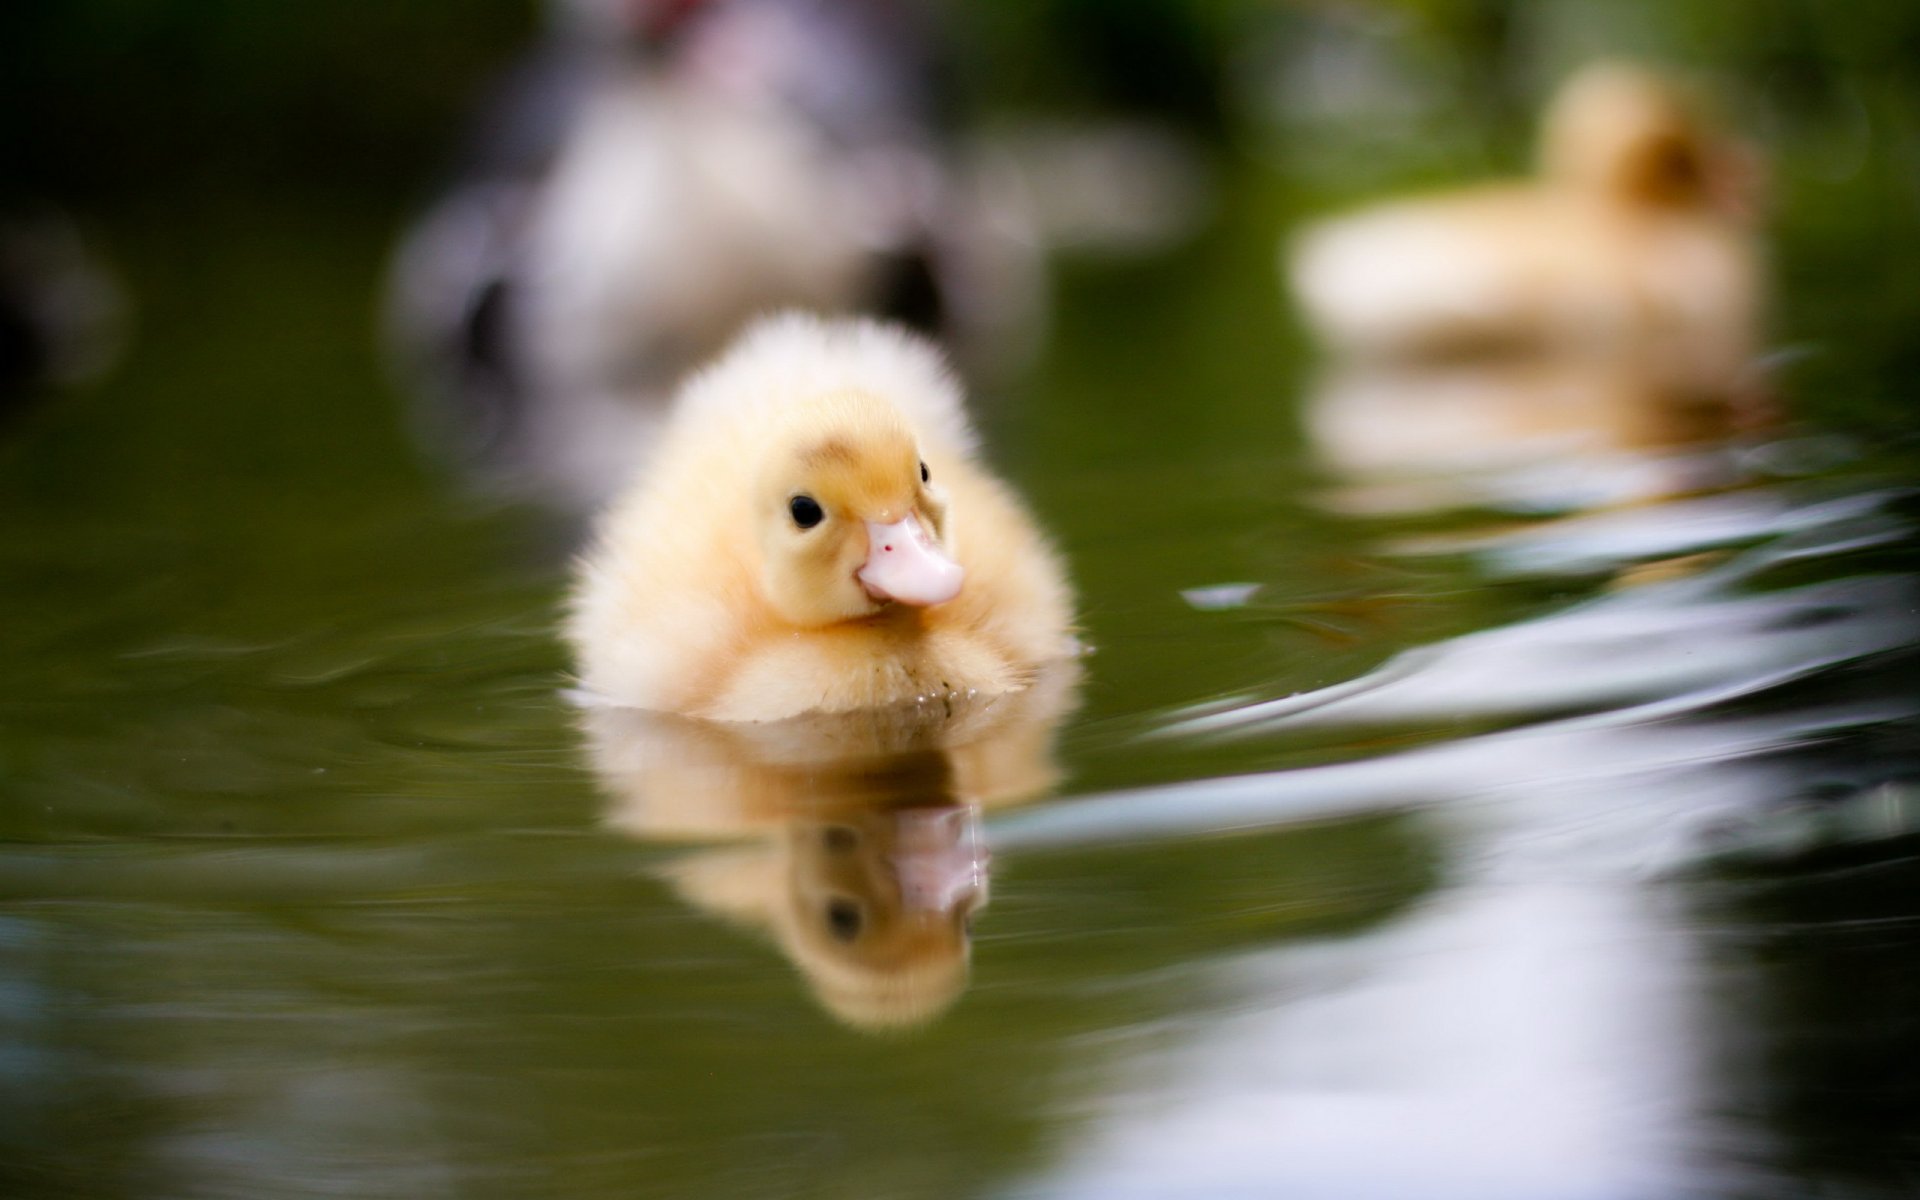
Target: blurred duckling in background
(812, 532)
(659, 174)
(1636, 238)
(854, 837)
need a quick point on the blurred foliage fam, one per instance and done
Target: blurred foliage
(106, 102)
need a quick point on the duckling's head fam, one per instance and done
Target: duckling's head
(1630, 133)
(878, 910)
(849, 516)
(875, 907)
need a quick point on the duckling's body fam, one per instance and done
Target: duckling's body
(1633, 238)
(705, 596)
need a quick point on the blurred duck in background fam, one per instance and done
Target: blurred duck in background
(1604, 316)
(661, 172)
(1634, 247)
(852, 839)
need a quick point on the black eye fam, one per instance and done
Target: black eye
(843, 918)
(840, 838)
(926, 476)
(806, 511)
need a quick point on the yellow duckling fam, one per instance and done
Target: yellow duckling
(812, 533)
(1636, 237)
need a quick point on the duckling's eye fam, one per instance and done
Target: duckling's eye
(806, 511)
(843, 919)
(840, 838)
(926, 476)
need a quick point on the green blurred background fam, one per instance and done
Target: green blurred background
(160, 121)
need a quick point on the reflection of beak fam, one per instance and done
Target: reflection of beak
(904, 564)
(937, 858)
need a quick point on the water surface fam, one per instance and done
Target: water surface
(1557, 841)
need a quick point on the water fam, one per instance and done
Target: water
(1534, 834)
(1524, 851)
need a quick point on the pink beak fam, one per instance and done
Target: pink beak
(937, 858)
(903, 564)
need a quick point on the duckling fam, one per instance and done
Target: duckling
(812, 532)
(1636, 236)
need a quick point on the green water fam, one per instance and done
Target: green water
(307, 887)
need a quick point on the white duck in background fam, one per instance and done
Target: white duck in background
(1637, 238)
(663, 172)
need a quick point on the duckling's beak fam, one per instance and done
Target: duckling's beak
(904, 564)
(938, 859)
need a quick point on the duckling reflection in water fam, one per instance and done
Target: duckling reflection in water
(813, 533)
(857, 849)
(1635, 242)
